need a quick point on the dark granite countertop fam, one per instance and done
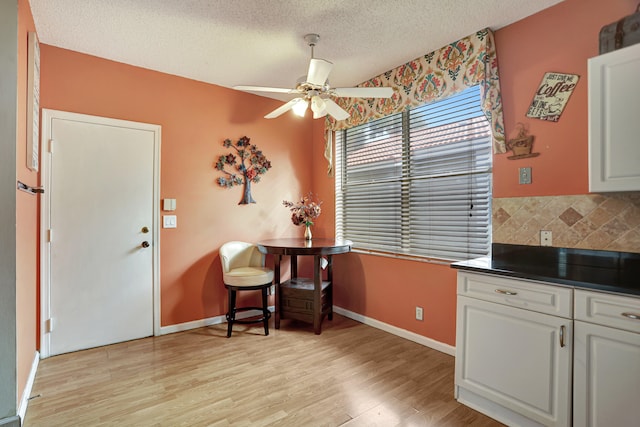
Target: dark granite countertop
(617, 272)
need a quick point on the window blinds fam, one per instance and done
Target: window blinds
(418, 183)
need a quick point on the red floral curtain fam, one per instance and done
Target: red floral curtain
(468, 62)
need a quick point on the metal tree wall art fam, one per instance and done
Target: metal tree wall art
(246, 166)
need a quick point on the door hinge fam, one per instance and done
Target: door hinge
(50, 148)
(48, 325)
(49, 235)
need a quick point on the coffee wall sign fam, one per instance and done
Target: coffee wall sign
(552, 96)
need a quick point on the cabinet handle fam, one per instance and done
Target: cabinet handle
(503, 292)
(562, 328)
(631, 316)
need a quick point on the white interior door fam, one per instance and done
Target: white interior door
(101, 217)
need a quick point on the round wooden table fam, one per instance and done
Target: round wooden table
(301, 298)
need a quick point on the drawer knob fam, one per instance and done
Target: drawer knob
(631, 316)
(503, 292)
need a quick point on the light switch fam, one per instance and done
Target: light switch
(169, 205)
(169, 221)
(524, 175)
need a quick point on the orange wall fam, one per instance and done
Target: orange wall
(27, 218)
(559, 39)
(195, 119)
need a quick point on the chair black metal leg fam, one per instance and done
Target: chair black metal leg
(233, 310)
(231, 315)
(265, 311)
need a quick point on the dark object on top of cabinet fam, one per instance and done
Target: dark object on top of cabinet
(622, 33)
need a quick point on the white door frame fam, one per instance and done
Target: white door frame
(45, 210)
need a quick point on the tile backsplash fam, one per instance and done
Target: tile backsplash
(590, 221)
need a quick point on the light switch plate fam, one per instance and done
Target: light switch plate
(524, 175)
(169, 221)
(169, 205)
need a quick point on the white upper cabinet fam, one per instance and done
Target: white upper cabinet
(614, 121)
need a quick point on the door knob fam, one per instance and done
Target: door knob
(145, 229)
(145, 244)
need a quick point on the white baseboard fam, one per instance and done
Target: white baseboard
(24, 401)
(403, 333)
(205, 322)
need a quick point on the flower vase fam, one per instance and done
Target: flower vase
(307, 232)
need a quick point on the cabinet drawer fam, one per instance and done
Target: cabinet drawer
(521, 293)
(622, 312)
(297, 299)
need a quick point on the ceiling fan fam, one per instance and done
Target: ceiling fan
(314, 89)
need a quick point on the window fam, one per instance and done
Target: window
(418, 183)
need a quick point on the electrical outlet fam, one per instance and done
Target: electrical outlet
(419, 313)
(545, 238)
(524, 175)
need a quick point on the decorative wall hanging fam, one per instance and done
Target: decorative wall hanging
(248, 164)
(304, 213)
(522, 144)
(552, 96)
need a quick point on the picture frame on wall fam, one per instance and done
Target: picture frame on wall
(33, 102)
(552, 96)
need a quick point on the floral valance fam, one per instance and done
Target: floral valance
(468, 62)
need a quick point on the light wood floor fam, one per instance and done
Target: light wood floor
(351, 375)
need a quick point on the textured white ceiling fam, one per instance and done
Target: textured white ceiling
(260, 42)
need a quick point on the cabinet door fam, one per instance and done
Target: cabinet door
(614, 128)
(606, 376)
(516, 359)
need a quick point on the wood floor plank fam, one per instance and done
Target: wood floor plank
(352, 375)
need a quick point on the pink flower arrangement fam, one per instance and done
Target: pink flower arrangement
(305, 211)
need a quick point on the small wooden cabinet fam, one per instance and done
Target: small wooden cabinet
(606, 382)
(297, 299)
(614, 127)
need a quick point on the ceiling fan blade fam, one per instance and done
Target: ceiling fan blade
(334, 110)
(363, 92)
(282, 109)
(265, 89)
(319, 70)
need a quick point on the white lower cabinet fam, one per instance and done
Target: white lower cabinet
(530, 353)
(512, 363)
(606, 377)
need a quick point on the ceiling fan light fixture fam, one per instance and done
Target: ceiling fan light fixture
(318, 106)
(300, 107)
